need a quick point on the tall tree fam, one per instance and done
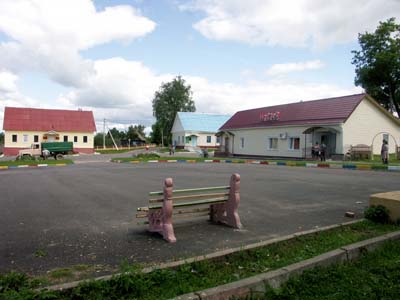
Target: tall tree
(155, 136)
(172, 97)
(378, 64)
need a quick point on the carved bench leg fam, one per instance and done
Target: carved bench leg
(232, 205)
(167, 228)
(227, 212)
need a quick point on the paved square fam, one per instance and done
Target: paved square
(84, 214)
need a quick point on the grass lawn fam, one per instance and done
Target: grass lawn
(35, 162)
(168, 283)
(374, 276)
(114, 151)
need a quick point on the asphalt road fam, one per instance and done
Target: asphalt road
(84, 214)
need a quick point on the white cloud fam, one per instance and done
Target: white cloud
(10, 94)
(302, 23)
(47, 35)
(123, 90)
(279, 69)
(230, 98)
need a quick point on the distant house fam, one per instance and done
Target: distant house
(24, 126)
(196, 129)
(290, 130)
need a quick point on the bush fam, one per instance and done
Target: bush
(150, 155)
(378, 214)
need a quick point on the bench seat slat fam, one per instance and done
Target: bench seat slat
(190, 197)
(192, 190)
(179, 212)
(200, 202)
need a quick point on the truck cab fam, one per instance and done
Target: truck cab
(34, 150)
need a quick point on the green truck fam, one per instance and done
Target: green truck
(47, 149)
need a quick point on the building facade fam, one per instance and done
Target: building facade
(197, 130)
(25, 126)
(291, 130)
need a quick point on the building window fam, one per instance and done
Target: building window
(14, 138)
(25, 138)
(273, 144)
(242, 142)
(188, 139)
(179, 139)
(218, 140)
(75, 139)
(208, 138)
(65, 138)
(294, 143)
(85, 139)
(36, 139)
(386, 137)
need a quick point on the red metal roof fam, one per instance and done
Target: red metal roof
(34, 119)
(323, 111)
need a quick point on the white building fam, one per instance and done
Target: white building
(197, 130)
(290, 130)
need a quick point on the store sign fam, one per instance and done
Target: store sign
(270, 116)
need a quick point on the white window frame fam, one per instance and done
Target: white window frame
(209, 136)
(25, 138)
(290, 144)
(269, 143)
(242, 142)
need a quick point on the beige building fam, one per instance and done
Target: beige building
(291, 130)
(24, 126)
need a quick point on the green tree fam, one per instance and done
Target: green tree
(172, 97)
(155, 136)
(135, 132)
(378, 64)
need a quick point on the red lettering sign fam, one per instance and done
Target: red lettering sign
(270, 116)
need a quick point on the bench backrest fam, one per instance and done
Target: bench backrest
(192, 197)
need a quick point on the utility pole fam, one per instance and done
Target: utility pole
(104, 133)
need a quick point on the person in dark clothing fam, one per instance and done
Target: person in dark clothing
(322, 151)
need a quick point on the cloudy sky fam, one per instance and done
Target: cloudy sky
(110, 56)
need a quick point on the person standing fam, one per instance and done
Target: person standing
(315, 151)
(322, 151)
(385, 152)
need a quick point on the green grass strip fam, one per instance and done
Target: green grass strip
(168, 283)
(114, 151)
(375, 276)
(36, 162)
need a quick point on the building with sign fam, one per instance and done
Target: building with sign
(290, 130)
(197, 130)
(24, 126)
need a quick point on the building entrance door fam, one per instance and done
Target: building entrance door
(194, 141)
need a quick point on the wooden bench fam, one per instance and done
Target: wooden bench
(220, 203)
(360, 151)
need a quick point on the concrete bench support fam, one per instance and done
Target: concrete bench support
(390, 200)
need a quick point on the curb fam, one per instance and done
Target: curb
(33, 166)
(210, 256)
(255, 285)
(347, 166)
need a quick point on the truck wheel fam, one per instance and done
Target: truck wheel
(59, 156)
